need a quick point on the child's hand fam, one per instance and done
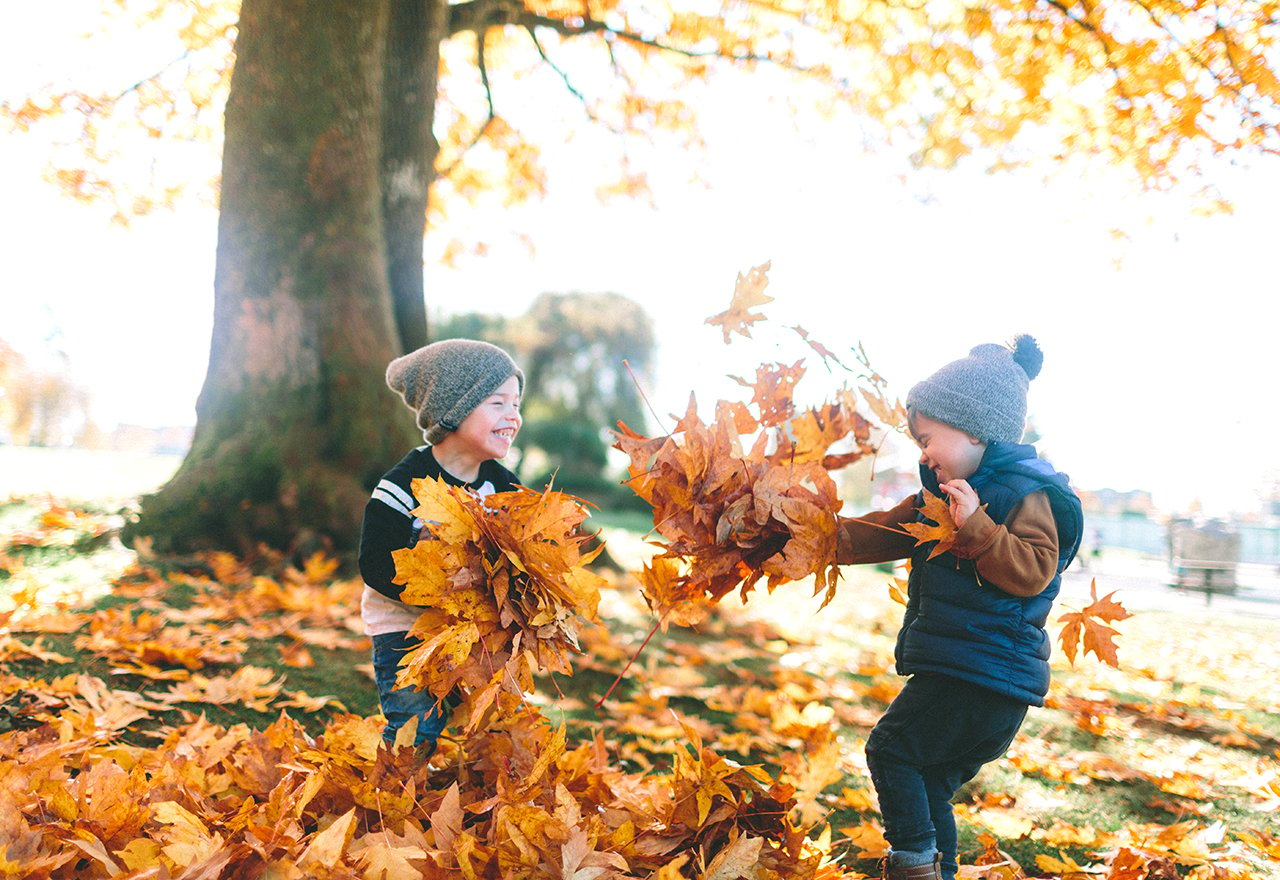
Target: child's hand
(961, 498)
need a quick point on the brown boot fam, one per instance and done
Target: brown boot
(931, 871)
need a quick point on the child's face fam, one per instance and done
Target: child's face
(949, 452)
(491, 427)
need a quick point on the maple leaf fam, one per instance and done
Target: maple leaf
(734, 518)
(250, 685)
(384, 861)
(943, 528)
(774, 390)
(891, 415)
(1063, 866)
(328, 846)
(184, 838)
(748, 292)
(739, 859)
(504, 589)
(671, 594)
(1088, 628)
(869, 838)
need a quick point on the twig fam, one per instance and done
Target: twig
(600, 702)
(643, 396)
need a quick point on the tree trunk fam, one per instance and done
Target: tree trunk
(294, 423)
(409, 151)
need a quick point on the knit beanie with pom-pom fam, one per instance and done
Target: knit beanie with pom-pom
(984, 394)
(444, 381)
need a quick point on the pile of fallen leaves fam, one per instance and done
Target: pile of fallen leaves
(209, 801)
(91, 786)
(504, 589)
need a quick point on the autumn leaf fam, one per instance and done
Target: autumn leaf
(827, 355)
(328, 846)
(1088, 629)
(1063, 866)
(748, 293)
(774, 391)
(738, 859)
(941, 529)
(890, 414)
(868, 838)
(504, 589)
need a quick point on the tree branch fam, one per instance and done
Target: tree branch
(584, 25)
(573, 90)
(492, 115)
(1103, 40)
(477, 15)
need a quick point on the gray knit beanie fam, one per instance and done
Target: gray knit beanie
(984, 394)
(444, 381)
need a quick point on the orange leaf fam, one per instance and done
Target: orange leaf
(1088, 629)
(944, 529)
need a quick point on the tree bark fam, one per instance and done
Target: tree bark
(294, 422)
(409, 149)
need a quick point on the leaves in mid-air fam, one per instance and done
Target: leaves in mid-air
(1088, 630)
(730, 516)
(748, 293)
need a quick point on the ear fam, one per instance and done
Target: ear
(975, 441)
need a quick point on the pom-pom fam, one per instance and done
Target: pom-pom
(1027, 354)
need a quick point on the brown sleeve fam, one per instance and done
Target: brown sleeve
(1021, 556)
(874, 537)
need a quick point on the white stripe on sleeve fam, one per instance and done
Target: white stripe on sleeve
(394, 497)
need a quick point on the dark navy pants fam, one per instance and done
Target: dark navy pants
(934, 737)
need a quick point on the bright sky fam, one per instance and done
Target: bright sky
(1157, 345)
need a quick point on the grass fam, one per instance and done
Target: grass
(1187, 730)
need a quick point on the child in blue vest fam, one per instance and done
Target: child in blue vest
(973, 637)
(466, 395)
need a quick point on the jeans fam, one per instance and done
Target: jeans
(935, 737)
(401, 704)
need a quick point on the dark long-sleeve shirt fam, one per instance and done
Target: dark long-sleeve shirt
(389, 526)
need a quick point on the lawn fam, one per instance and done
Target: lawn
(1168, 766)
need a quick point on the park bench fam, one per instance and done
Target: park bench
(1203, 558)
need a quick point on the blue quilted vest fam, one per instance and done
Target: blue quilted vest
(959, 625)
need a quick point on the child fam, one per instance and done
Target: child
(467, 398)
(973, 639)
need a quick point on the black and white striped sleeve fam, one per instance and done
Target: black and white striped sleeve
(395, 497)
(388, 525)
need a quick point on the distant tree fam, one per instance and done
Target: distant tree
(583, 355)
(40, 406)
(340, 140)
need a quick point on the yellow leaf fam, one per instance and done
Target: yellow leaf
(327, 846)
(186, 839)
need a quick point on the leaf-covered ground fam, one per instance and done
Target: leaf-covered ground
(198, 717)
